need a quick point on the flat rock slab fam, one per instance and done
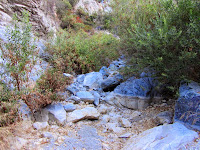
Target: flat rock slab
(131, 102)
(167, 137)
(69, 107)
(137, 87)
(85, 113)
(85, 96)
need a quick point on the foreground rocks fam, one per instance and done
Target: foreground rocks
(173, 136)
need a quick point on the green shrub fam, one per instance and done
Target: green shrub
(80, 52)
(163, 36)
(62, 7)
(18, 51)
(5, 92)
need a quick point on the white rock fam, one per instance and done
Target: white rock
(86, 113)
(103, 109)
(125, 123)
(67, 75)
(40, 125)
(90, 6)
(105, 118)
(167, 137)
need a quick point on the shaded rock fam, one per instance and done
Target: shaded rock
(187, 106)
(166, 137)
(93, 80)
(40, 125)
(69, 107)
(57, 113)
(73, 89)
(41, 115)
(125, 123)
(111, 82)
(75, 99)
(104, 72)
(164, 117)
(133, 94)
(85, 96)
(137, 87)
(80, 78)
(86, 113)
(132, 102)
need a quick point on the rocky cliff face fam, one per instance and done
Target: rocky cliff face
(89, 6)
(42, 13)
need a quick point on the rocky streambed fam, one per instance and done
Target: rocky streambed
(102, 111)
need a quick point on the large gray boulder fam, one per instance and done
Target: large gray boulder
(93, 80)
(187, 106)
(85, 113)
(137, 87)
(134, 93)
(166, 137)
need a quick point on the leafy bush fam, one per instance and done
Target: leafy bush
(46, 90)
(80, 52)
(162, 35)
(18, 52)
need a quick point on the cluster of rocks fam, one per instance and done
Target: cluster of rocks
(90, 98)
(107, 85)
